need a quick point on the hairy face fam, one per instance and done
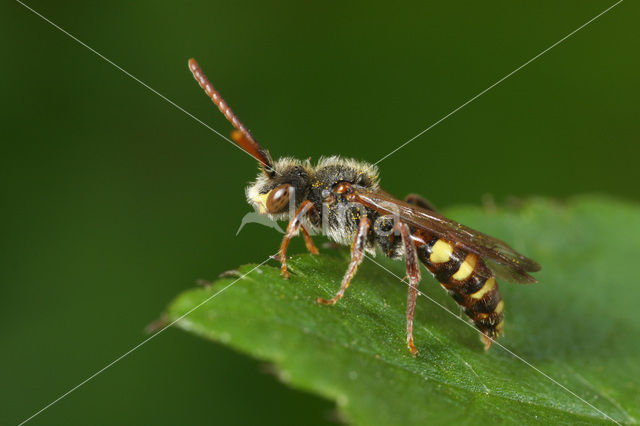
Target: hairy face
(274, 195)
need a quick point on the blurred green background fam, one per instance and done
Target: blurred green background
(113, 201)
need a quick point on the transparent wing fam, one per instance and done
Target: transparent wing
(507, 263)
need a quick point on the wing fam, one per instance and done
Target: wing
(502, 259)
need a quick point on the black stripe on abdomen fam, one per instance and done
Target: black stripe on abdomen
(468, 280)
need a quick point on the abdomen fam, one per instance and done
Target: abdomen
(467, 279)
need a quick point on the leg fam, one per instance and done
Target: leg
(308, 241)
(292, 231)
(417, 200)
(413, 271)
(357, 253)
(486, 340)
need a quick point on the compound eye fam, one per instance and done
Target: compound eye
(278, 198)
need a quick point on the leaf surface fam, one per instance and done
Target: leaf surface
(580, 326)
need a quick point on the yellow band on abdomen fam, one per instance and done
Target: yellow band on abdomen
(466, 268)
(489, 285)
(441, 252)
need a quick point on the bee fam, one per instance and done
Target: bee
(342, 199)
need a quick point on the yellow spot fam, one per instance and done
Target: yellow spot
(499, 327)
(499, 307)
(261, 202)
(489, 285)
(441, 252)
(466, 268)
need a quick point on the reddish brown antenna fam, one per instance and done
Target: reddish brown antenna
(241, 135)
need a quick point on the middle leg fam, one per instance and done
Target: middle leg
(413, 272)
(357, 253)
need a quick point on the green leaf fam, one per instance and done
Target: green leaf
(580, 326)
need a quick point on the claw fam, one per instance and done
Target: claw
(487, 341)
(412, 349)
(284, 272)
(329, 302)
(283, 265)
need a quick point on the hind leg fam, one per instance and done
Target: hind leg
(357, 253)
(419, 201)
(413, 272)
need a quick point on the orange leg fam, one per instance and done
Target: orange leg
(308, 241)
(357, 253)
(292, 230)
(413, 271)
(486, 340)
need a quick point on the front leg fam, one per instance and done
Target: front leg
(413, 271)
(292, 230)
(308, 241)
(357, 253)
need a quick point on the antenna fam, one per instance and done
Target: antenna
(241, 136)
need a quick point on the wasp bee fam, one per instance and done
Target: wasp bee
(342, 199)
